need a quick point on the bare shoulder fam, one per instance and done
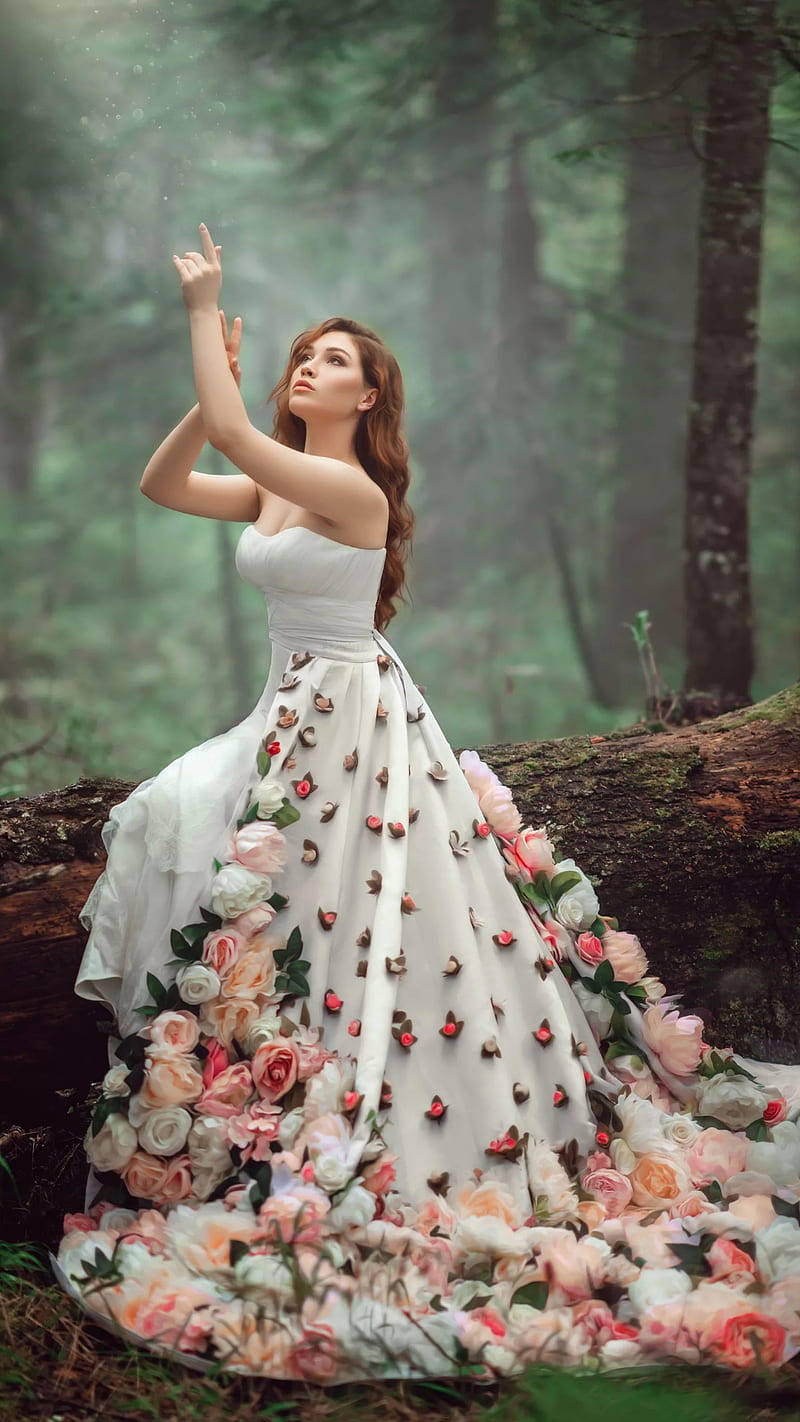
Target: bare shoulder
(367, 519)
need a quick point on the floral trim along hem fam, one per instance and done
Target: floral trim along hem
(231, 1228)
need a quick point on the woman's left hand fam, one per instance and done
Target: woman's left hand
(200, 274)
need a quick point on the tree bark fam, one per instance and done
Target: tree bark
(690, 836)
(719, 621)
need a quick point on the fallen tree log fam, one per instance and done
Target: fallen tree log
(691, 837)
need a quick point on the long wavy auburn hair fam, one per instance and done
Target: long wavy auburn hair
(380, 444)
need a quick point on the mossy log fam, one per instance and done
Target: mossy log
(691, 837)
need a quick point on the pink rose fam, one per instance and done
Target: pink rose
(78, 1221)
(144, 1175)
(228, 1092)
(254, 1129)
(178, 1031)
(313, 1057)
(716, 1155)
(221, 950)
(380, 1174)
(532, 851)
(590, 948)
(730, 1263)
(775, 1109)
(556, 936)
(275, 1067)
(625, 954)
(260, 846)
(610, 1187)
(675, 1040)
(748, 1339)
(215, 1062)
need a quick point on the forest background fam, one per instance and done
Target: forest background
(511, 193)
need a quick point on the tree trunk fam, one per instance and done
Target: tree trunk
(719, 643)
(690, 836)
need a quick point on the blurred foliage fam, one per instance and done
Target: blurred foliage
(313, 142)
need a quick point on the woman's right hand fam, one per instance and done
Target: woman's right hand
(232, 344)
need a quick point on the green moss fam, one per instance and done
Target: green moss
(782, 709)
(779, 839)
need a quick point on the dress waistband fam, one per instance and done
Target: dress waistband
(362, 649)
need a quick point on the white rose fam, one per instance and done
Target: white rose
(290, 1127)
(597, 1009)
(643, 1125)
(325, 1089)
(732, 1099)
(258, 1274)
(164, 1131)
(331, 1172)
(658, 1286)
(235, 889)
(622, 1156)
(654, 988)
(269, 795)
(579, 906)
(356, 1207)
(681, 1130)
(747, 1182)
(207, 1145)
(114, 1143)
(265, 1029)
(778, 1249)
(197, 982)
(114, 1083)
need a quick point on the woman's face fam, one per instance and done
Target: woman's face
(332, 367)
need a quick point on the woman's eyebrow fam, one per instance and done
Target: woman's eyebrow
(329, 348)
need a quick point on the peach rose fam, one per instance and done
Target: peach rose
(592, 1212)
(177, 1183)
(227, 1020)
(295, 1217)
(252, 976)
(677, 1041)
(275, 1067)
(693, 1204)
(610, 1187)
(490, 1198)
(228, 1091)
(171, 1079)
(177, 1031)
(625, 954)
(727, 1261)
(716, 1155)
(221, 950)
(144, 1175)
(590, 948)
(260, 846)
(658, 1180)
(755, 1210)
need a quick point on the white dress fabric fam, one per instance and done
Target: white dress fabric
(466, 1045)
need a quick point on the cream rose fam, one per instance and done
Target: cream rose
(265, 1029)
(235, 889)
(625, 954)
(206, 1144)
(114, 1081)
(658, 1286)
(114, 1143)
(164, 1131)
(226, 1020)
(778, 1249)
(578, 908)
(197, 983)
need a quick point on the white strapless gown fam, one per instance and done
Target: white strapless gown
(438, 993)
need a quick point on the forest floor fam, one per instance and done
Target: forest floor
(55, 1364)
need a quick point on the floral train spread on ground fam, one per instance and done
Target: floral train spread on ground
(231, 1229)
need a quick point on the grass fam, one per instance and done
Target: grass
(55, 1364)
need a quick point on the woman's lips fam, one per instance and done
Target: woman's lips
(303, 385)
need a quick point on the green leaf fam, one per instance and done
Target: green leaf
(156, 989)
(533, 1294)
(690, 1255)
(560, 883)
(237, 1249)
(105, 1107)
(603, 977)
(598, 928)
(713, 1191)
(758, 1130)
(790, 1208)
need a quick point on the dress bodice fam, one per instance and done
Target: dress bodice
(318, 592)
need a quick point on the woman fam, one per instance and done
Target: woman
(388, 1095)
